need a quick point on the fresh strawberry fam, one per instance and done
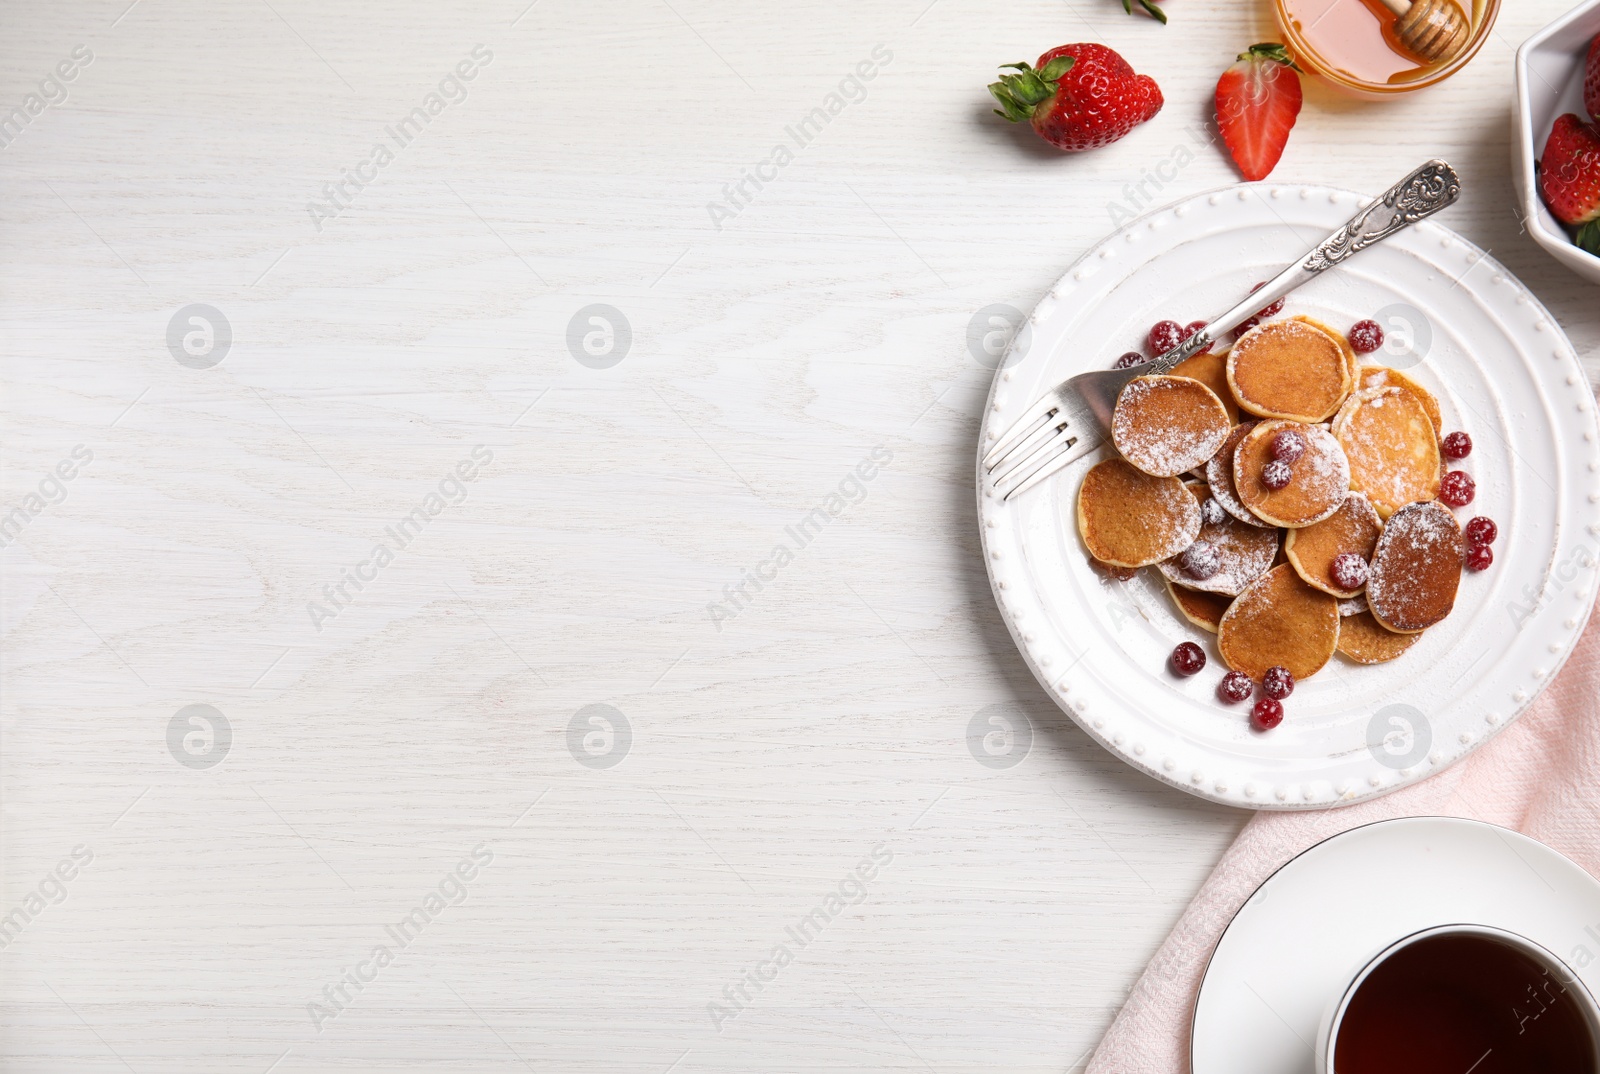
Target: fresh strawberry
(1079, 97)
(1258, 99)
(1591, 79)
(1569, 177)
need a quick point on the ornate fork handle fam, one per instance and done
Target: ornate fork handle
(1420, 194)
(1069, 420)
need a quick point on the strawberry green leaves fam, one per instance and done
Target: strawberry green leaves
(1020, 93)
(1149, 8)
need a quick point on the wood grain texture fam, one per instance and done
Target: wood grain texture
(771, 751)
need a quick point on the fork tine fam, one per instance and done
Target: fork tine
(1030, 443)
(1020, 429)
(1062, 436)
(1066, 458)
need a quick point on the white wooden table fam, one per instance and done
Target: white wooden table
(377, 731)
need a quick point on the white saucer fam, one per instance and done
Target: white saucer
(1294, 946)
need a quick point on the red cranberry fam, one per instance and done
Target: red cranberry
(1267, 714)
(1212, 513)
(1456, 445)
(1349, 571)
(1276, 474)
(1188, 658)
(1235, 687)
(1479, 556)
(1200, 561)
(1132, 358)
(1164, 335)
(1479, 531)
(1190, 329)
(1267, 311)
(1457, 488)
(1288, 445)
(1259, 315)
(1277, 683)
(1365, 337)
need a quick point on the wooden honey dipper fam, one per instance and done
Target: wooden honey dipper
(1434, 30)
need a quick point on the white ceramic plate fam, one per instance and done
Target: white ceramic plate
(1299, 940)
(1458, 323)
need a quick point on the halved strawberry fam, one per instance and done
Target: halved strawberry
(1258, 99)
(1569, 177)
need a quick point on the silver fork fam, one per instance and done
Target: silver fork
(1072, 418)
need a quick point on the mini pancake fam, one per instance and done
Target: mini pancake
(1394, 454)
(1416, 568)
(1289, 369)
(1351, 359)
(1212, 371)
(1111, 573)
(1166, 425)
(1204, 610)
(1364, 640)
(1245, 553)
(1353, 606)
(1130, 519)
(1279, 620)
(1219, 476)
(1354, 527)
(1319, 486)
(1381, 376)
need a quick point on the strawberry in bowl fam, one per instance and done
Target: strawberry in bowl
(1569, 178)
(1078, 97)
(1556, 139)
(1569, 169)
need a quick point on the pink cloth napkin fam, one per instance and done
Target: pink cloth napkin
(1540, 776)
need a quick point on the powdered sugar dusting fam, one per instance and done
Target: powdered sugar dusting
(1417, 567)
(1321, 477)
(1324, 466)
(1219, 476)
(1131, 519)
(1155, 443)
(1244, 552)
(1393, 457)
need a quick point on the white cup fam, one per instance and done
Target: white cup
(1558, 970)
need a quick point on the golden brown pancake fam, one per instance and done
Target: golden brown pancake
(1112, 572)
(1212, 371)
(1364, 640)
(1166, 425)
(1416, 568)
(1354, 527)
(1389, 439)
(1351, 359)
(1244, 553)
(1321, 475)
(1289, 369)
(1130, 519)
(1219, 476)
(1204, 610)
(1381, 376)
(1279, 620)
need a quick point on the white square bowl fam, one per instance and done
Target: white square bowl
(1549, 83)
